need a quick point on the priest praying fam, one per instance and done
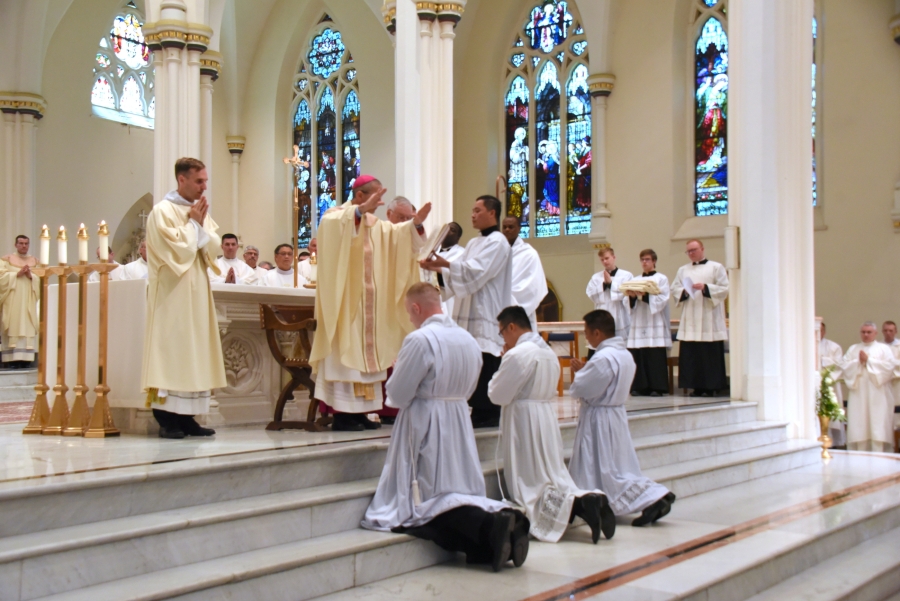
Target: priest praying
(365, 266)
(432, 485)
(19, 294)
(231, 269)
(867, 369)
(603, 290)
(529, 285)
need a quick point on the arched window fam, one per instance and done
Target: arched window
(711, 108)
(325, 125)
(547, 124)
(122, 88)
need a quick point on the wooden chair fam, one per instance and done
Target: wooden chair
(564, 360)
(278, 318)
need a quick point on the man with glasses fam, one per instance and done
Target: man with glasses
(700, 288)
(251, 258)
(649, 337)
(283, 274)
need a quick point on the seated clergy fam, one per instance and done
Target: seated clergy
(868, 368)
(432, 485)
(137, 269)
(232, 270)
(283, 274)
(603, 455)
(115, 274)
(251, 258)
(533, 466)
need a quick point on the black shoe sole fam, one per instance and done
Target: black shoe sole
(519, 542)
(607, 519)
(650, 514)
(171, 434)
(501, 534)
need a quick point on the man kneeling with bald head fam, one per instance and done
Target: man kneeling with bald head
(432, 485)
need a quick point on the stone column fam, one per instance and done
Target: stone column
(448, 16)
(236, 148)
(600, 86)
(770, 203)
(20, 113)
(210, 64)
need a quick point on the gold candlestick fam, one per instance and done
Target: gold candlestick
(296, 232)
(59, 415)
(80, 418)
(102, 425)
(40, 412)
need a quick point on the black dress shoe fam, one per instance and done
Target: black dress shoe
(192, 428)
(491, 422)
(519, 539)
(500, 538)
(652, 513)
(653, 393)
(170, 433)
(388, 420)
(344, 422)
(595, 510)
(696, 393)
(365, 422)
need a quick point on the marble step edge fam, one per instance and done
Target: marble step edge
(16, 394)
(844, 577)
(664, 440)
(189, 578)
(759, 575)
(18, 377)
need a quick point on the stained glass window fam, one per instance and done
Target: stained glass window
(711, 104)
(547, 124)
(326, 53)
(325, 161)
(123, 84)
(350, 130)
(303, 144)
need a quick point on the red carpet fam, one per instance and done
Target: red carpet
(11, 413)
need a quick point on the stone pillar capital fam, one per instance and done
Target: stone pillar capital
(211, 64)
(427, 10)
(235, 144)
(895, 28)
(601, 84)
(389, 11)
(24, 103)
(451, 12)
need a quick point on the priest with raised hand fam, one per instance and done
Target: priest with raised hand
(231, 269)
(529, 285)
(700, 289)
(283, 274)
(533, 466)
(480, 281)
(182, 348)
(432, 485)
(137, 269)
(650, 335)
(364, 268)
(603, 455)
(19, 294)
(868, 368)
(603, 290)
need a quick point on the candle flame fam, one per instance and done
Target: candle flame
(103, 231)
(82, 233)
(62, 233)
(45, 232)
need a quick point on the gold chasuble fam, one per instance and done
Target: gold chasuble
(363, 276)
(18, 311)
(182, 348)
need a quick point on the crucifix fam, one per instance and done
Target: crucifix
(143, 217)
(296, 164)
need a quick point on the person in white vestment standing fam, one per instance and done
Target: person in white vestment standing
(137, 269)
(432, 485)
(114, 275)
(700, 289)
(304, 266)
(831, 355)
(19, 297)
(251, 258)
(529, 285)
(283, 274)
(533, 466)
(649, 336)
(182, 349)
(889, 333)
(232, 270)
(603, 455)
(867, 369)
(603, 290)
(481, 282)
(451, 251)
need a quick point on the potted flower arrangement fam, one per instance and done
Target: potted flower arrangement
(827, 408)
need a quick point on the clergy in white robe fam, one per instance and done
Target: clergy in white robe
(283, 274)
(19, 295)
(137, 269)
(364, 268)
(649, 336)
(231, 269)
(831, 355)
(451, 253)
(889, 333)
(114, 275)
(529, 285)
(432, 485)
(603, 455)
(603, 290)
(534, 468)
(868, 368)
(251, 258)
(182, 348)
(700, 289)
(481, 282)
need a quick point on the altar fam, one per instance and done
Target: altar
(254, 377)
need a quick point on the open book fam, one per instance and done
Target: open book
(435, 240)
(639, 286)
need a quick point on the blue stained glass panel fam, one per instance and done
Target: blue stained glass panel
(711, 103)
(326, 53)
(326, 143)
(301, 165)
(547, 165)
(517, 59)
(579, 47)
(548, 25)
(351, 162)
(710, 3)
(535, 60)
(578, 153)
(517, 156)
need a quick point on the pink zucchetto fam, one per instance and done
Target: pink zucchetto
(362, 180)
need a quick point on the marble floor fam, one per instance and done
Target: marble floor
(769, 514)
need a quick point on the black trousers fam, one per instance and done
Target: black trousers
(465, 529)
(652, 373)
(482, 407)
(172, 421)
(701, 366)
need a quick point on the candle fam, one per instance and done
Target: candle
(45, 245)
(313, 268)
(103, 235)
(62, 249)
(82, 245)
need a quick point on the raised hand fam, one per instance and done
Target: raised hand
(422, 214)
(372, 202)
(199, 209)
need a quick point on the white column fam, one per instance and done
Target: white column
(444, 114)
(20, 114)
(407, 104)
(770, 200)
(236, 148)
(428, 96)
(210, 64)
(600, 86)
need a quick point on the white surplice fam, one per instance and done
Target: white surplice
(831, 355)
(261, 273)
(870, 406)
(603, 455)
(243, 273)
(612, 299)
(650, 323)
(136, 270)
(534, 468)
(432, 442)
(304, 268)
(529, 285)
(481, 281)
(451, 253)
(702, 318)
(895, 382)
(278, 278)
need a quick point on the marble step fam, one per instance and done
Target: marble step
(16, 394)
(18, 377)
(868, 571)
(773, 556)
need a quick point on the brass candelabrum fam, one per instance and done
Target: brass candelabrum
(40, 412)
(101, 424)
(59, 414)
